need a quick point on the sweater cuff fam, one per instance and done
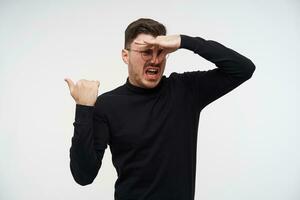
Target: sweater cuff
(190, 43)
(83, 113)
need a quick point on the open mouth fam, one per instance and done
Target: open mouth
(151, 71)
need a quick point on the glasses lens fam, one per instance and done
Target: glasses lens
(147, 55)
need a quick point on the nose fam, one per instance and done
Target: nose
(155, 57)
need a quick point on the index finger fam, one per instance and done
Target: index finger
(142, 44)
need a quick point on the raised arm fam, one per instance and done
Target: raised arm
(206, 86)
(232, 70)
(227, 60)
(90, 133)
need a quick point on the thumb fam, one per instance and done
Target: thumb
(98, 83)
(70, 83)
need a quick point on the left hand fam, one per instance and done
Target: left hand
(169, 43)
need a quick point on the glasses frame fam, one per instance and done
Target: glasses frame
(144, 52)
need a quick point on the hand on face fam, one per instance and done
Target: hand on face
(147, 60)
(169, 43)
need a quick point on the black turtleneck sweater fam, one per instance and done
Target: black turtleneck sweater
(152, 133)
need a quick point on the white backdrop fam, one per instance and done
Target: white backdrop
(249, 140)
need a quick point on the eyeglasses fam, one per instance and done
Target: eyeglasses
(148, 54)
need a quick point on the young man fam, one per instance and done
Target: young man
(151, 122)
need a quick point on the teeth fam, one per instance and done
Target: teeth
(152, 70)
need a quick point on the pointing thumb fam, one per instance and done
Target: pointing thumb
(70, 83)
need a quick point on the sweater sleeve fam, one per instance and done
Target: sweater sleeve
(232, 69)
(90, 139)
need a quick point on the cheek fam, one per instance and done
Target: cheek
(135, 69)
(163, 65)
(136, 66)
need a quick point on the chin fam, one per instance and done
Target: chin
(151, 83)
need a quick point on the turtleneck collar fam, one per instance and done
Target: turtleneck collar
(141, 90)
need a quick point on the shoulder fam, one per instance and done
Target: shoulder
(187, 77)
(105, 100)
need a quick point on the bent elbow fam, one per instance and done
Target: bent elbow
(248, 69)
(83, 182)
(81, 178)
(251, 67)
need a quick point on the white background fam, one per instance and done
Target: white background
(249, 140)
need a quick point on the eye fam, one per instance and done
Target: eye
(159, 52)
(148, 52)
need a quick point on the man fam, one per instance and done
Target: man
(151, 122)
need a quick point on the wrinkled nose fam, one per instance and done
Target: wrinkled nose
(156, 57)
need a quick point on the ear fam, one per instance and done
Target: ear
(125, 56)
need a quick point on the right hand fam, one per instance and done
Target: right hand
(84, 92)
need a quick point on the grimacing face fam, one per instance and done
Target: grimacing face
(144, 73)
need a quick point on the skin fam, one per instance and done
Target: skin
(85, 92)
(137, 66)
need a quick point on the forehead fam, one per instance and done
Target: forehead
(143, 36)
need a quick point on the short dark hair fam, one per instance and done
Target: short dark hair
(143, 25)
